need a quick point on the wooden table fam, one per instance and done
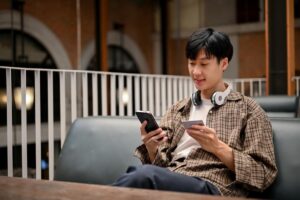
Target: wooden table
(23, 189)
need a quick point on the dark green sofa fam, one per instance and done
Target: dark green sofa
(99, 149)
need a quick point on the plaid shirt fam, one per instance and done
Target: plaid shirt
(241, 124)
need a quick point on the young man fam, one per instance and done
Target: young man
(232, 154)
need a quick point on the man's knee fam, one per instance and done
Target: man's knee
(144, 172)
(140, 177)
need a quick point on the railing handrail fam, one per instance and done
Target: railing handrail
(297, 79)
(93, 72)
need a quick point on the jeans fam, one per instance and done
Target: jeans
(158, 178)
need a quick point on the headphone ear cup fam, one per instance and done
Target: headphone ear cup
(218, 99)
(196, 98)
(212, 99)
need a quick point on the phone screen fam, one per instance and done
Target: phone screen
(151, 122)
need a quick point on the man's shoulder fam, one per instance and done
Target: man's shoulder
(237, 96)
(180, 107)
(181, 104)
(250, 104)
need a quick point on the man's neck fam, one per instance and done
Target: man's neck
(206, 94)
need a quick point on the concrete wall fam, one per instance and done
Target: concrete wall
(219, 12)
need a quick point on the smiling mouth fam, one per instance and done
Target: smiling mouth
(199, 81)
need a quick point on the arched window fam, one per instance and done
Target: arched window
(21, 50)
(119, 60)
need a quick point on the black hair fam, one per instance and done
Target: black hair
(214, 43)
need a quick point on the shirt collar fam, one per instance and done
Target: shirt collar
(185, 106)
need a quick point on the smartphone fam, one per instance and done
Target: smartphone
(190, 123)
(148, 116)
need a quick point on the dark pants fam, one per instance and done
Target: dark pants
(158, 178)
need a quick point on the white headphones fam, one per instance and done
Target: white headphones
(217, 98)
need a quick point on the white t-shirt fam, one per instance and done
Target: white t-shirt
(187, 143)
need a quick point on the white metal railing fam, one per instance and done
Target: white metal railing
(297, 79)
(87, 93)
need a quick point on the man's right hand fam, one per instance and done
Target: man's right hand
(152, 140)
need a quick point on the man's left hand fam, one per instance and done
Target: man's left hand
(206, 137)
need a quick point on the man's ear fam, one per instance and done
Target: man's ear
(224, 63)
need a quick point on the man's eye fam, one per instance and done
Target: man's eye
(204, 64)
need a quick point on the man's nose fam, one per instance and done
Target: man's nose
(197, 70)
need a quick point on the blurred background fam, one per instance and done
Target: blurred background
(124, 36)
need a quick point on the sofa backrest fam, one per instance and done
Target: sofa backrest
(279, 105)
(98, 149)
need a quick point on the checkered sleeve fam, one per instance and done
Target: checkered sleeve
(161, 158)
(255, 164)
(163, 155)
(142, 153)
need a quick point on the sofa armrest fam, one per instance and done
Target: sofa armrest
(287, 148)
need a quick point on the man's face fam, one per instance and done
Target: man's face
(206, 72)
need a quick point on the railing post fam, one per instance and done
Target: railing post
(175, 90)
(251, 88)
(144, 93)
(38, 154)
(62, 107)
(120, 94)
(151, 94)
(164, 95)
(95, 94)
(137, 93)
(24, 124)
(9, 124)
(130, 97)
(113, 95)
(157, 96)
(85, 94)
(50, 125)
(259, 88)
(170, 92)
(297, 79)
(73, 97)
(104, 94)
